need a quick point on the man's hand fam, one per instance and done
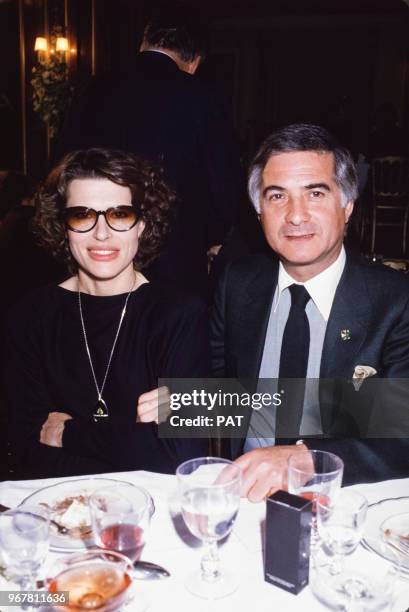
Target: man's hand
(265, 470)
(153, 406)
(53, 429)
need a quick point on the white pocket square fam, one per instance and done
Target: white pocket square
(360, 373)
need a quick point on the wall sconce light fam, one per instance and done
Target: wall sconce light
(61, 44)
(41, 44)
(57, 44)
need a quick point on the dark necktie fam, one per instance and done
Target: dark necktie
(293, 364)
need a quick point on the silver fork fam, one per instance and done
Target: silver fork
(397, 543)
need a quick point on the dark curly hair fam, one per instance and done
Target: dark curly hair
(153, 199)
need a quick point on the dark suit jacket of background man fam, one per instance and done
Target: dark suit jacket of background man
(177, 121)
(372, 302)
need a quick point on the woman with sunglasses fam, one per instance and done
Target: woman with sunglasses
(85, 356)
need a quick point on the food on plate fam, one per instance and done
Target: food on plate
(73, 512)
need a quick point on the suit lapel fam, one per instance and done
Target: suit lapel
(253, 320)
(347, 325)
(346, 331)
(251, 329)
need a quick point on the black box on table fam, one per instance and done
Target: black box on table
(287, 543)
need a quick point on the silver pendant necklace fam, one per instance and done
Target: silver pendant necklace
(101, 409)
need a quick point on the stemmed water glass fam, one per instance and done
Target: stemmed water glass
(317, 476)
(209, 490)
(340, 577)
(120, 517)
(24, 542)
(361, 586)
(340, 525)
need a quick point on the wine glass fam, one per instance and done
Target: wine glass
(315, 475)
(340, 525)
(362, 585)
(120, 518)
(209, 490)
(24, 542)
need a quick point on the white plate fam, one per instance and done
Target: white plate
(401, 604)
(68, 488)
(377, 513)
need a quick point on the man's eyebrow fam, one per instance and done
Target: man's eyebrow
(318, 186)
(272, 188)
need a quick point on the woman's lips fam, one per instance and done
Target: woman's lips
(103, 254)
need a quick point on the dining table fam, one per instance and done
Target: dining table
(172, 546)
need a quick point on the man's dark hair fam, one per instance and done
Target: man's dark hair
(177, 27)
(304, 137)
(151, 197)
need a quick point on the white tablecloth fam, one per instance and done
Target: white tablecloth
(171, 545)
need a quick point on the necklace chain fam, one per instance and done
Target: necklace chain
(101, 390)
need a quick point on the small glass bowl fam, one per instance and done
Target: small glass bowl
(362, 584)
(96, 580)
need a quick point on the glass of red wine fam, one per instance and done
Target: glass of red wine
(317, 476)
(120, 517)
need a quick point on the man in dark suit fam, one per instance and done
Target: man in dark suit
(160, 110)
(313, 313)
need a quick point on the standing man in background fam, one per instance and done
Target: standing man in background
(161, 111)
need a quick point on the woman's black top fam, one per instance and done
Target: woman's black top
(164, 335)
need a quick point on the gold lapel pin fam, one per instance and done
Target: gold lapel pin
(345, 334)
